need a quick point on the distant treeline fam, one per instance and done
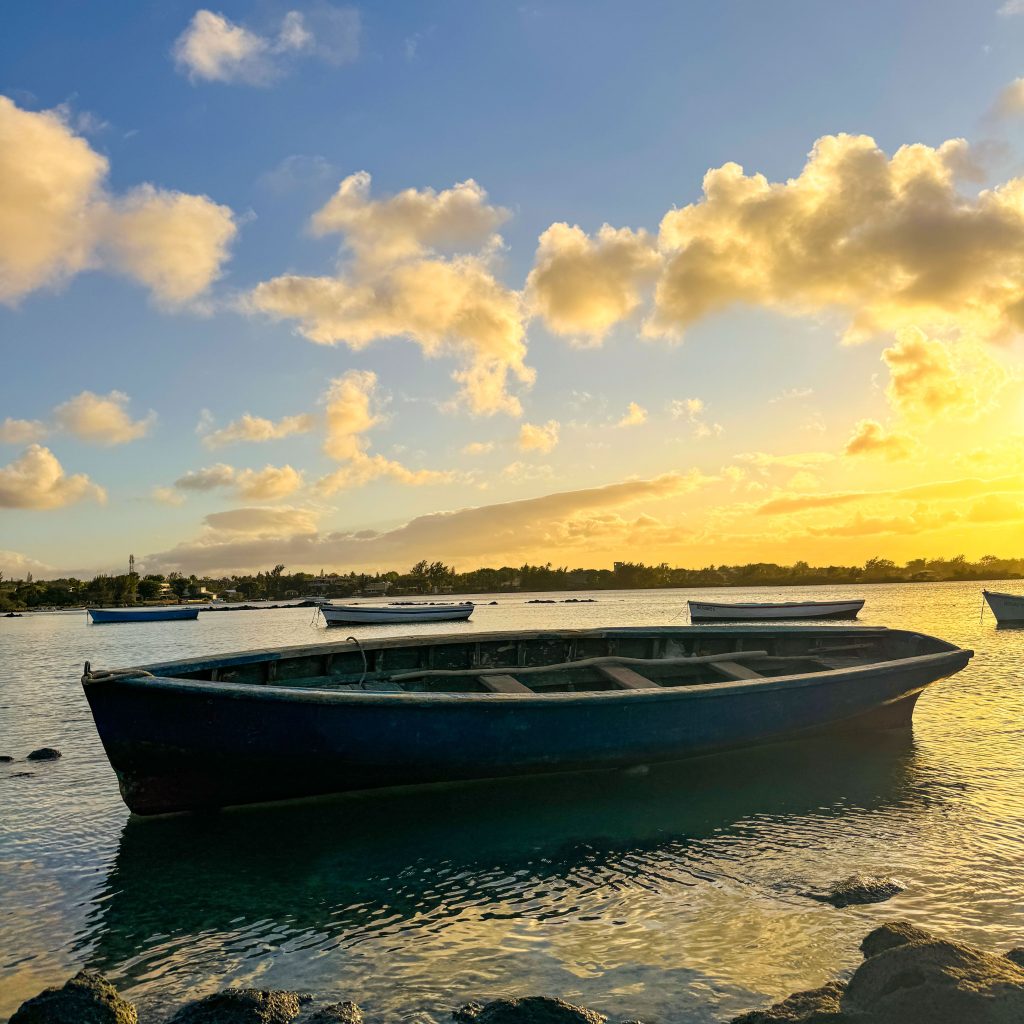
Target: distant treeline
(438, 578)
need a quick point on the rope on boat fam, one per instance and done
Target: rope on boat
(362, 678)
(105, 675)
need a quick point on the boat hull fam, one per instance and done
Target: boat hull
(377, 615)
(711, 611)
(102, 615)
(180, 745)
(1007, 608)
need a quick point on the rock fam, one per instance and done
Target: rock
(528, 1010)
(858, 889)
(21, 775)
(934, 981)
(337, 1013)
(5, 758)
(891, 934)
(44, 754)
(241, 1006)
(1016, 955)
(88, 998)
(818, 1006)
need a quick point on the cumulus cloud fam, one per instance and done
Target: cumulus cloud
(101, 419)
(869, 437)
(248, 428)
(538, 437)
(57, 217)
(478, 448)
(267, 484)
(14, 431)
(214, 49)
(37, 480)
(565, 519)
(351, 410)
(583, 286)
(1010, 101)
(167, 496)
(930, 378)
(693, 411)
(635, 415)
(398, 285)
(996, 508)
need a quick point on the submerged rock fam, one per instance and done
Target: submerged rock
(88, 998)
(910, 976)
(242, 1006)
(528, 1010)
(1016, 955)
(859, 889)
(5, 758)
(816, 1006)
(336, 1013)
(45, 754)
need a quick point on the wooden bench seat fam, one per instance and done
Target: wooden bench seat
(734, 670)
(626, 678)
(502, 684)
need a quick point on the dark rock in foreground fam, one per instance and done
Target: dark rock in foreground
(336, 1013)
(528, 1010)
(860, 889)
(241, 1006)
(1016, 955)
(5, 758)
(87, 998)
(910, 976)
(44, 754)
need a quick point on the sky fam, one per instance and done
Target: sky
(344, 287)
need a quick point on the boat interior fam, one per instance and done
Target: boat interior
(559, 662)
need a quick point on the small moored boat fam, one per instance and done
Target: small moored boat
(754, 611)
(141, 614)
(390, 614)
(1006, 608)
(292, 722)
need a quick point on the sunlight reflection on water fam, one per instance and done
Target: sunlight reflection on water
(673, 894)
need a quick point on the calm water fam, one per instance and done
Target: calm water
(672, 894)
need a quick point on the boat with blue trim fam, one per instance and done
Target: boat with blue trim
(100, 615)
(300, 721)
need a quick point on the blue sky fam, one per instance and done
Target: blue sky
(583, 113)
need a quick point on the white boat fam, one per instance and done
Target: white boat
(1005, 607)
(750, 611)
(389, 614)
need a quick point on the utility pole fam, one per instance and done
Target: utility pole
(131, 565)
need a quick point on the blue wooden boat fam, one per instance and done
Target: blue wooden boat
(141, 614)
(299, 721)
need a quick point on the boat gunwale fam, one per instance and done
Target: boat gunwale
(725, 688)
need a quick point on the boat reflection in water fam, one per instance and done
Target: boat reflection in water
(580, 885)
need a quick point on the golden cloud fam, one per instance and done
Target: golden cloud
(57, 219)
(535, 437)
(930, 378)
(267, 484)
(583, 286)
(569, 517)
(101, 419)
(248, 428)
(869, 437)
(282, 520)
(37, 480)
(635, 415)
(396, 286)
(14, 431)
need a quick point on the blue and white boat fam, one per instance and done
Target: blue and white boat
(299, 721)
(142, 614)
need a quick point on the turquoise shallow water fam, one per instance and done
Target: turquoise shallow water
(671, 894)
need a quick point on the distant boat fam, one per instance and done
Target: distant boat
(390, 614)
(1005, 607)
(141, 614)
(753, 611)
(299, 721)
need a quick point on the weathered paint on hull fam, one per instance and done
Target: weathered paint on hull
(256, 744)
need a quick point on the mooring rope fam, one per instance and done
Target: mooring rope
(104, 675)
(362, 678)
